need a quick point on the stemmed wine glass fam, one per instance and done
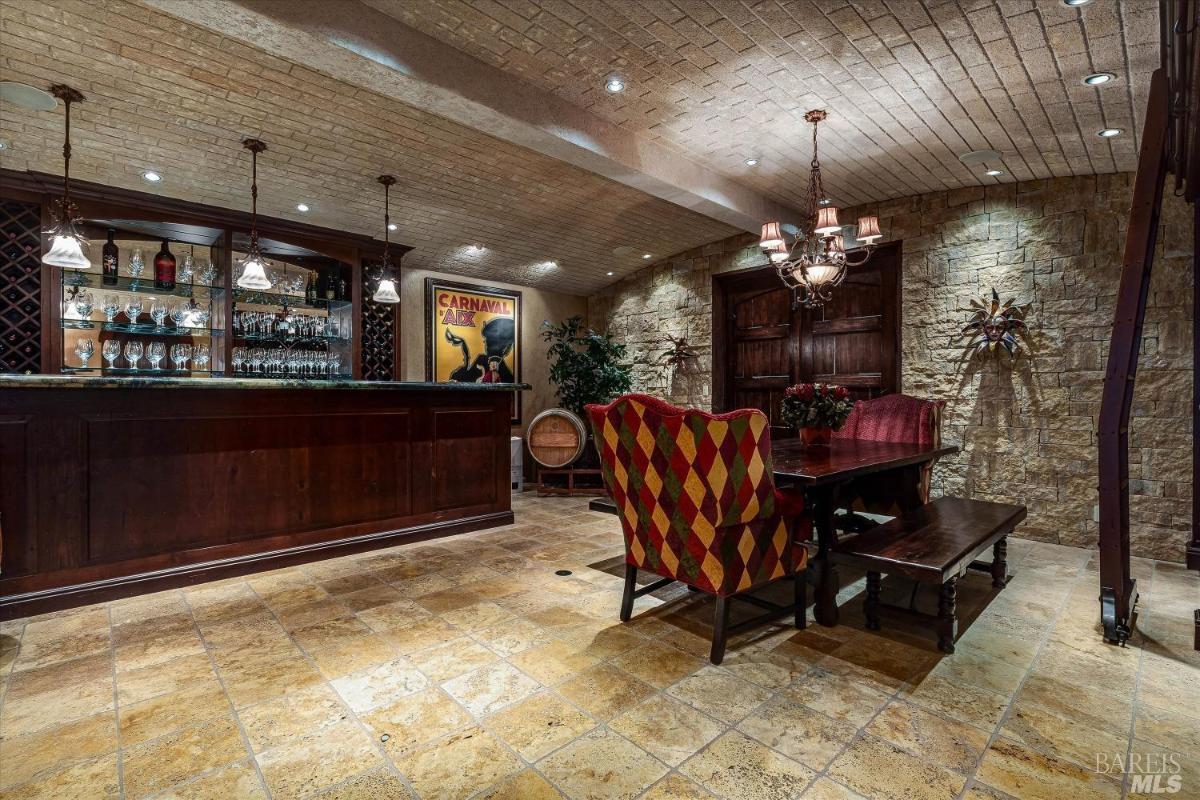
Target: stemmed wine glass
(208, 273)
(133, 309)
(84, 302)
(187, 270)
(133, 354)
(180, 353)
(137, 264)
(179, 312)
(84, 348)
(111, 352)
(239, 358)
(111, 307)
(158, 311)
(156, 353)
(334, 361)
(200, 356)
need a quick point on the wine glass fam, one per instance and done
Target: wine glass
(158, 311)
(137, 264)
(133, 354)
(179, 313)
(200, 316)
(200, 357)
(111, 307)
(208, 273)
(187, 270)
(111, 352)
(84, 348)
(180, 353)
(156, 353)
(334, 360)
(239, 358)
(84, 303)
(133, 309)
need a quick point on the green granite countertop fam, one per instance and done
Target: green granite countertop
(148, 382)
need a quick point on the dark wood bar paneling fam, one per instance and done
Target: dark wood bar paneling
(122, 489)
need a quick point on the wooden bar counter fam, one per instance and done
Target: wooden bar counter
(118, 486)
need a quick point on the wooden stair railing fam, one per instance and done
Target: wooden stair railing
(1118, 591)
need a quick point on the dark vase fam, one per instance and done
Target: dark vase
(816, 437)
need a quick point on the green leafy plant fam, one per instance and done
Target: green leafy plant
(816, 405)
(586, 366)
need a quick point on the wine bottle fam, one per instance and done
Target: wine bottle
(342, 289)
(310, 289)
(331, 286)
(164, 268)
(109, 259)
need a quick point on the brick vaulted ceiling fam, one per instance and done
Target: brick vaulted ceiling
(174, 84)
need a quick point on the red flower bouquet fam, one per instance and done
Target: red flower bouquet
(817, 409)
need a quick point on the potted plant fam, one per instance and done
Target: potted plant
(585, 366)
(817, 409)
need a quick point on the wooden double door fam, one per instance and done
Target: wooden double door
(761, 344)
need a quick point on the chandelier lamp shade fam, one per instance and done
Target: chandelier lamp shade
(815, 262)
(253, 267)
(386, 292)
(66, 242)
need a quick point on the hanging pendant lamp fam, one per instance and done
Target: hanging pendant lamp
(386, 292)
(254, 272)
(66, 242)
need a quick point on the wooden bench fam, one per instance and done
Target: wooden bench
(935, 544)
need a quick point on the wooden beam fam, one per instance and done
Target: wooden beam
(1118, 594)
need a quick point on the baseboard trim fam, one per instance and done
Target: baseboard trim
(79, 594)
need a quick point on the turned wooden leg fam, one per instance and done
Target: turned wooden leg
(872, 604)
(801, 590)
(630, 588)
(947, 624)
(720, 625)
(825, 608)
(1000, 563)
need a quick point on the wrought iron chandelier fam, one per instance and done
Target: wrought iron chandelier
(253, 266)
(66, 241)
(815, 262)
(386, 292)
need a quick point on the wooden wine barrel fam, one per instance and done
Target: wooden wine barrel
(556, 437)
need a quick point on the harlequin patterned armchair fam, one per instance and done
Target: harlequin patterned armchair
(891, 418)
(697, 504)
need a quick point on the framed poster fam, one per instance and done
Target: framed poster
(473, 335)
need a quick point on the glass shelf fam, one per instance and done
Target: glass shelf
(94, 281)
(289, 300)
(288, 338)
(341, 376)
(149, 329)
(144, 372)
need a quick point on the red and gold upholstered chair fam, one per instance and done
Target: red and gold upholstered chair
(891, 418)
(698, 504)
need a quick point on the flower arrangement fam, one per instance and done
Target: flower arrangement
(816, 406)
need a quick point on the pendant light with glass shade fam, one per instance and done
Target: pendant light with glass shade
(254, 271)
(386, 292)
(66, 242)
(816, 261)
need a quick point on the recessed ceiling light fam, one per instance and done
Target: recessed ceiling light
(994, 172)
(391, 226)
(609, 274)
(614, 85)
(1108, 133)
(1098, 78)
(3, 144)
(302, 207)
(646, 255)
(1073, 3)
(151, 176)
(825, 201)
(751, 162)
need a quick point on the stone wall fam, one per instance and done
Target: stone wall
(1027, 427)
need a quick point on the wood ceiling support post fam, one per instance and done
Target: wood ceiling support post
(1118, 592)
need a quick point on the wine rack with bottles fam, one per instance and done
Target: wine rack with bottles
(149, 305)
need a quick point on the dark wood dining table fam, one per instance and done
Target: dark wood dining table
(822, 473)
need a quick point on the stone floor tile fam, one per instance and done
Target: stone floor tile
(1171, 729)
(170, 676)
(35, 755)
(414, 720)
(601, 766)
(419, 634)
(962, 701)
(677, 787)
(353, 655)
(826, 789)
(512, 637)
(491, 688)
(380, 783)
(740, 768)
(668, 729)
(553, 663)
(525, 785)
(457, 766)
(285, 719)
(842, 698)
(876, 768)
(604, 691)
(165, 713)
(947, 743)
(1040, 728)
(1027, 774)
(96, 779)
(161, 763)
(658, 664)
(477, 616)
(317, 759)
(255, 682)
(329, 633)
(380, 684)
(798, 732)
(719, 694)
(239, 780)
(450, 659)
(538, 725)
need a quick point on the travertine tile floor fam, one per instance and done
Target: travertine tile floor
(465, 667)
